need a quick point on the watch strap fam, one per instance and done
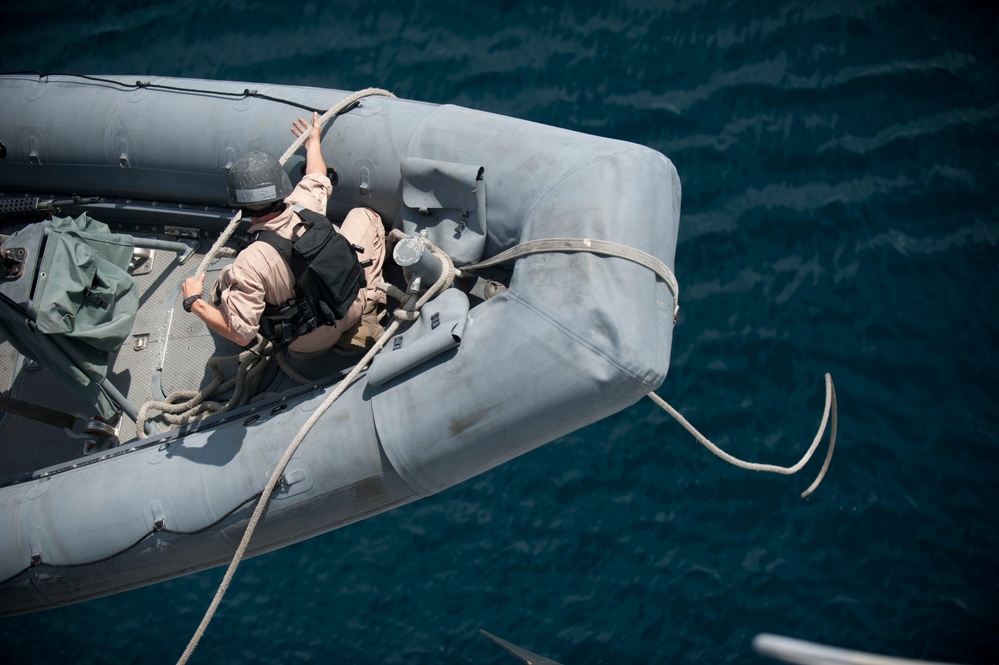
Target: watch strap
(189, 301)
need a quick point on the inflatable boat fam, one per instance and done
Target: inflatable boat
(113, 189)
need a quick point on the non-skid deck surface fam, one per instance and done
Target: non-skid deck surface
(169, 350)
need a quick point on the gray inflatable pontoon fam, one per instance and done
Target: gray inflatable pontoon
(474, 382)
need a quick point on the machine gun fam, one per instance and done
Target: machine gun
(33, 206)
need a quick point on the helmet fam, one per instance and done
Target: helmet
(257, 178)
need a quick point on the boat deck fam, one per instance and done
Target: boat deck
(168, 350)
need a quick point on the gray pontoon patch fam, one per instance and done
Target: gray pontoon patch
(448, 202)
(439, 329)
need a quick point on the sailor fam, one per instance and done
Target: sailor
(259, 276)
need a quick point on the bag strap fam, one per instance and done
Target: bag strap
(280, 243)
(310, 217)
(284, 245)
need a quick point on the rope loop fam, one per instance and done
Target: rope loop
(412, 303)
(829, 417)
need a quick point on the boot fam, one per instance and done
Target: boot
(363, 335)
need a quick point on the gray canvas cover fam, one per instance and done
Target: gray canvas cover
(447, 201)
(438, 329)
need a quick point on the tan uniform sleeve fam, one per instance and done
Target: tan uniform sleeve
(313, 192)
(242, 298)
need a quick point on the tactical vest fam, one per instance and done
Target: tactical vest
(328, 277)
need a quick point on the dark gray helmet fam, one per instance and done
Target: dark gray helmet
(257, 178)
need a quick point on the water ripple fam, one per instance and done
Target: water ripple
(969, 119)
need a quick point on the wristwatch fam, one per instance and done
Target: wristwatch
(188, 301)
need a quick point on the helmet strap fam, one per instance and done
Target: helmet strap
(276, 206)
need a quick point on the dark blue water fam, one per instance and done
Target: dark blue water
(840, 171)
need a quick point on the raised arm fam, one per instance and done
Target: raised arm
(314, 162)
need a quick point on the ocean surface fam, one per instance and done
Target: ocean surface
(840, 171)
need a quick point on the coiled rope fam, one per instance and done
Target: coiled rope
(409, 311)
(185, 406)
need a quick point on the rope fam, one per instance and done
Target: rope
(408, 312)
(146, 85)
(183, 406)
(291, 372)
(830, 410)
(444, 281)
(592, 246)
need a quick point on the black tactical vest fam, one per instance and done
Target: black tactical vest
(328, 277)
